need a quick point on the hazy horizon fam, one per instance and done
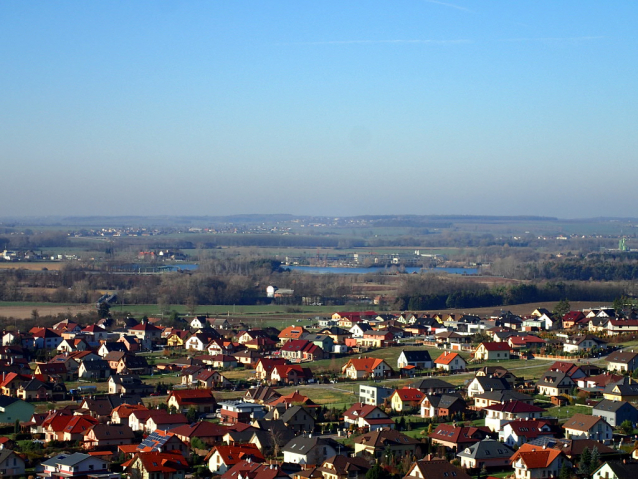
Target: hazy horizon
(168, 108)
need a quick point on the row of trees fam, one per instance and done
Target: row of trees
(413, 297)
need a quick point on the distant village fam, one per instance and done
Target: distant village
(547, 395)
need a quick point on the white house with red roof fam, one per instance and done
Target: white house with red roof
(519, 432)
(368, 417)
(449, 361)
(488, 351)
(537, 462)
(364, 368)
(289, 374)
(221, 458)
(498, 414)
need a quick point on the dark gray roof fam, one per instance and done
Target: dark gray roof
(487, 448)
(625, 386)
(507, 395)
(623, 470)
(609, 405)
(552, 379)
(445, 401)
(432, 383)
(304, 444)
(492, 384)
(7, 401)
(419, 355)
(290, 412)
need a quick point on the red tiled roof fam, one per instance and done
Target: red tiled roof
(364, 364)
(447, 358)
(409, 394)
(535, 457)
(493, 346)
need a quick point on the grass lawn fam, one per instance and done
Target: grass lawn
(337, 396)
(564, 412)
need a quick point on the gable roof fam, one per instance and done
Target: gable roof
(447, 358)
(535, 457)
(514, 407)
(419, 355)
(364, 364)
(409, 394)
(494, 346)
(582, 422)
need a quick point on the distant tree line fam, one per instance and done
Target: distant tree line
(603, 267)
(509, 295)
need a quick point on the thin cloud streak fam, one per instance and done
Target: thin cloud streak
(374, 42)
(450, 5)
(572, 40)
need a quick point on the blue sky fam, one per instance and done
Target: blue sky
(328, 108)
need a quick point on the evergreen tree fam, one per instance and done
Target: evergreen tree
(565, 472)
(376, 472)
(585, 460)
(562, 308)
(593, 461)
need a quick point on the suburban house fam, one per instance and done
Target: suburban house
(406, 399)
(417, 359)
(291, 333)
(616, 470)
(310, 449)
(76, 465)
(265, 366)
(296, 418)
(624, 390)
(374, 395)
(515, 433)
(499, 414)
(582, 426)
(500, 397)
(290, 374)
(537, 462)
(492, 351)
(11, 465)
(554, 384)
(483, 384)
(14, 409)
(485, 454)
(378, 442)
(364, 368)
(104, 436)
(344, 467)
(368, 417)
(221, 458)
(458, 437)
(577, 344)
(435, 469)
(442, 405)
(450, 362)
(622, 361)
(154, 465)
(201, 399)
(434, 386)
(615, 412)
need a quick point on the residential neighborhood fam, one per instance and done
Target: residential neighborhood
(524, 398)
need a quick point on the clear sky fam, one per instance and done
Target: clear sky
(319, 107)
